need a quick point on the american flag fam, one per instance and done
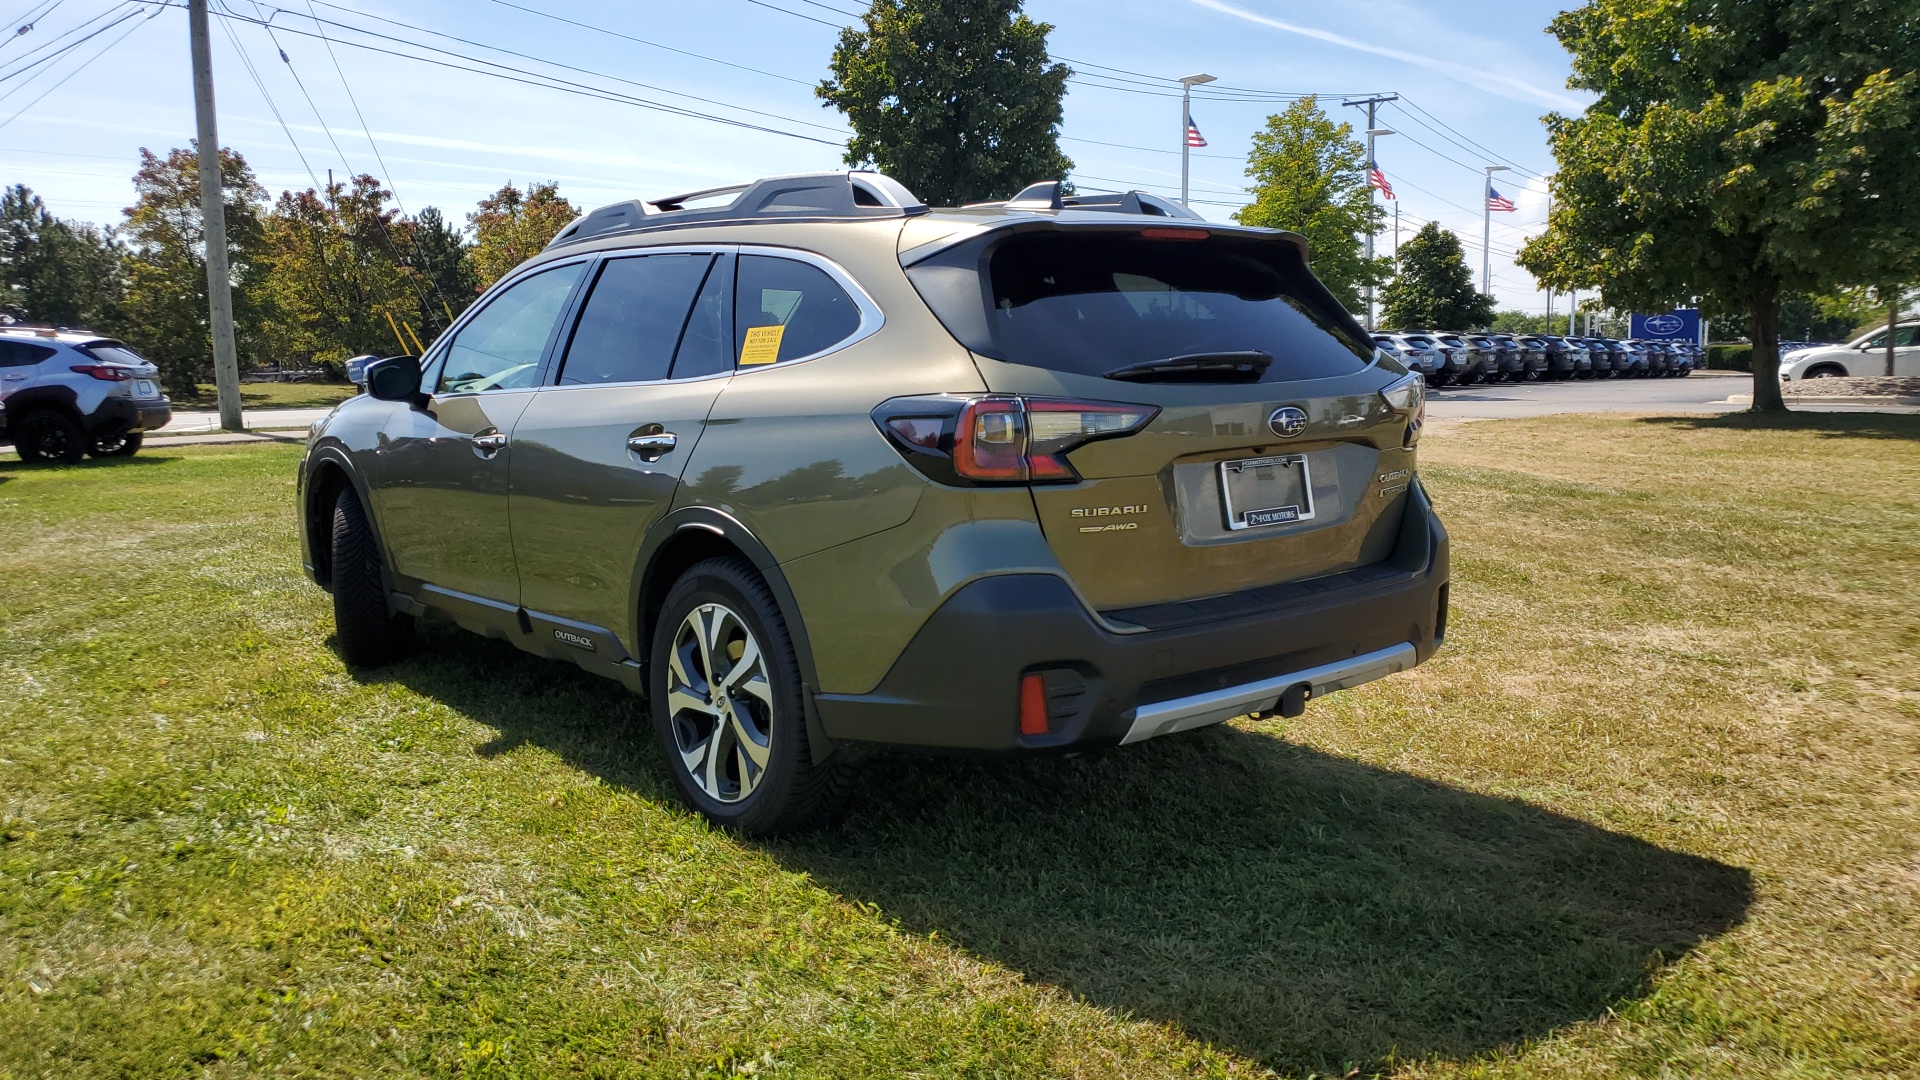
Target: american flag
(1497, 201)
(1194, 138)
(1376, 178)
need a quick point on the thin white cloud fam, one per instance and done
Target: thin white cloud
(1490, 81)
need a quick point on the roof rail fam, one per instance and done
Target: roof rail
(1047, 195)
(846, 195)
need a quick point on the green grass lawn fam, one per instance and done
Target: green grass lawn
(1654, 811)
(268, 395)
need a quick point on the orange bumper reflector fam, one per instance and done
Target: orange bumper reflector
(1033, 705)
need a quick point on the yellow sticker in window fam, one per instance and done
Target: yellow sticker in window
(762, 345)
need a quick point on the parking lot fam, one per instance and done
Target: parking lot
(1701, 392)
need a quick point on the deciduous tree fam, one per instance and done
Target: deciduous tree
(337, 274)
(1433, 287)
(165, 309)
(956, 99)
(1310, 176)
(1738, 153)
(511, 226)
(65, 273)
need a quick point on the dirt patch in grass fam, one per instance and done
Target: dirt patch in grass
(1652, 810)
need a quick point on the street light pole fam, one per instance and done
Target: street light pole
(1486, 230)
(1187, 83)
(213, 223)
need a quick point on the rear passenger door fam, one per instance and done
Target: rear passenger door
(599, 451)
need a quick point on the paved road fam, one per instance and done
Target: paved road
(1700, 392)
(189, 421)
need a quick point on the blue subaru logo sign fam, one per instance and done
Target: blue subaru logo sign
(1680, 324)
(1287, 421)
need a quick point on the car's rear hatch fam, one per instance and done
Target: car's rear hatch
(1242, 478)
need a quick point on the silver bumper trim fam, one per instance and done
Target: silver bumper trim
(1199, 710)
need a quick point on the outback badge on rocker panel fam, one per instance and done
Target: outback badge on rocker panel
(1287, 421)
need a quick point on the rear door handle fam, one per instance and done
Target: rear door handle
(654, 446)
(488, 445)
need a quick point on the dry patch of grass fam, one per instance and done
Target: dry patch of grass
(1654, 810)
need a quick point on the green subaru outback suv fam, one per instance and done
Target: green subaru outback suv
(815, 467)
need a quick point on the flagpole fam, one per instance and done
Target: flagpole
(1186, 121)
(1187, 83)
(1486, 230)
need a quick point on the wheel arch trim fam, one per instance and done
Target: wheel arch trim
(649, 589)
(313, 526)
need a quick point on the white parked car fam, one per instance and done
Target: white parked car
(1865, 356)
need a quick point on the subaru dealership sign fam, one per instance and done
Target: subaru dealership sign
(1680, 325)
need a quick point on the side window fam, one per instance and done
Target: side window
(787, 309)
(632, 320)
(706, 346)
(500, 348)
(22, 354)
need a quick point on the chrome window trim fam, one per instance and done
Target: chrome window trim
(437, 352)
(560, 361)
(871, 317)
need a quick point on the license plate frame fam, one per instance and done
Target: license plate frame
(145, 388)
(1277, 510)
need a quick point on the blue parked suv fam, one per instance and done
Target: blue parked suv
(68, 393)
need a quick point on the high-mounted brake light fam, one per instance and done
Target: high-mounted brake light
(1003, 438)
(1175, 234)
(103, 372)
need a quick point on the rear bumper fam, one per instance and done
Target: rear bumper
(120, 416)
(956, 687)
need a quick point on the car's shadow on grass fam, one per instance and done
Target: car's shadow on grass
(1837, 425)
(11, 466)
(1306, 910)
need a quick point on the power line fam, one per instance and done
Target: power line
(641, 41)
(22, 24)
(261, 85)
(511, 52)
(1147, 149)
(1470, 144)
(84, 64)
(545, 82)
(26, 64)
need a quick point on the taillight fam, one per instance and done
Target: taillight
(1408, 397)
(1002, 438)
(103, 372)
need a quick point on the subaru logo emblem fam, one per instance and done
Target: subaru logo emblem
(1665, 325)
(1287, 421)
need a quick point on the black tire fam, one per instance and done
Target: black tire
(115, 446)
(366, 631)
(47, 435)
(789, 793)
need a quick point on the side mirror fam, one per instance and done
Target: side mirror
(397, 378)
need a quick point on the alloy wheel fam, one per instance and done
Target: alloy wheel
(720, 703)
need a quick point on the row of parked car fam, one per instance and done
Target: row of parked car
(1458, 359)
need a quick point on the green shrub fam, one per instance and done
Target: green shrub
(1730, 357)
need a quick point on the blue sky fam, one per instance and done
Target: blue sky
(1475, 80)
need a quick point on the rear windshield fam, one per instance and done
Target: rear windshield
(113, 354)
(1417, 341)
(1087, 303)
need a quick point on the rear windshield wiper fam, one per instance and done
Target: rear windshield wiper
(1207, 367)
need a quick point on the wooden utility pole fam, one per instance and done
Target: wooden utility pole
(213, 224)
(1893, 325)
